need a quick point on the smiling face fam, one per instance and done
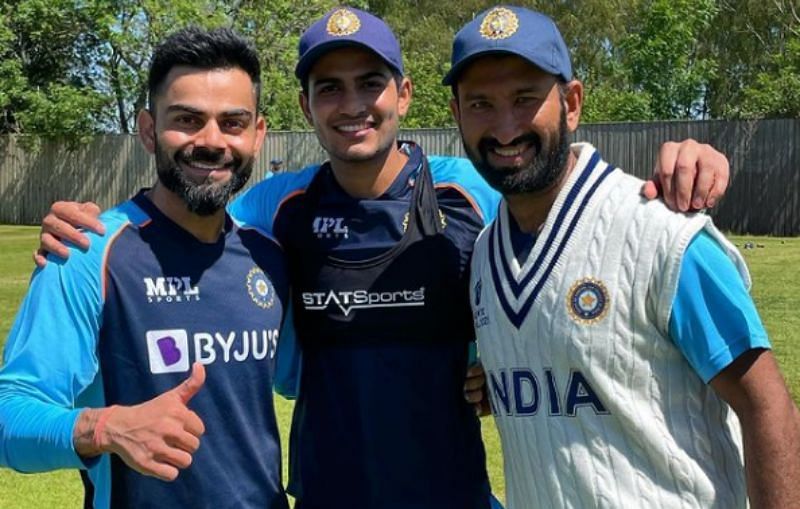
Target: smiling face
(515, 121)
(355, 104)
(205, 132)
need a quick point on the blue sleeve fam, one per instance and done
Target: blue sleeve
(288, 360)
(256, 208)
(49, 361)
(714, 319)
(460, 172)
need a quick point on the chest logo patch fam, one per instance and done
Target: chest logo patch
(442, 220)
(588, 301)
(260, 288)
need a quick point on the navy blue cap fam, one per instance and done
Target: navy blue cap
(512, 30)
(345, 26)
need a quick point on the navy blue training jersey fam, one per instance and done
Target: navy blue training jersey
(383, 321)
(123, 323)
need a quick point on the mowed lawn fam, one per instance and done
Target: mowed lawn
(774, 263)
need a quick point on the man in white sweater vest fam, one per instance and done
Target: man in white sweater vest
(626, 364)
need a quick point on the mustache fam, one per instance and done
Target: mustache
(204, 155)
(486, 144)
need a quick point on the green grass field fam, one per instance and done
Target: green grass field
(775, 266)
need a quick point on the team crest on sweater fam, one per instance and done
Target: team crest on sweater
(587, 301)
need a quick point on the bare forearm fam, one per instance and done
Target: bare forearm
(772, 457)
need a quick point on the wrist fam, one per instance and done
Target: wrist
(89, 436)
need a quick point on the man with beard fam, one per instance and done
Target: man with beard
(626, 363)
(98, 357)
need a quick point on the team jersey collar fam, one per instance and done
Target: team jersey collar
(143, 202)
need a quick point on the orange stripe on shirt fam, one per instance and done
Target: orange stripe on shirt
(283, 201)
(104, 265)
(472, 202)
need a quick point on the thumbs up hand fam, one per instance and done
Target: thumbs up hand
(157, 437)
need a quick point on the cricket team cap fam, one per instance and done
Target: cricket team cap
(511, 30)
(346, 26)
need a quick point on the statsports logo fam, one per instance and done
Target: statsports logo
(347, 301)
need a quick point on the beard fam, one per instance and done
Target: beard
(547, 166)
(204, 198)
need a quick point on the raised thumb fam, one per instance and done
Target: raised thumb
(193, 384)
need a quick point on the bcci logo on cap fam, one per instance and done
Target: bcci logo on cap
(587, 301)
(343, 22)
(499, 23)
(260, 288)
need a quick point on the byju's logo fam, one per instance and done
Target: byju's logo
(168, 351)
(171, 289)
(330, 227)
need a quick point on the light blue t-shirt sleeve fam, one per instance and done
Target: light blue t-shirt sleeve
(49, 361)
(714, 319)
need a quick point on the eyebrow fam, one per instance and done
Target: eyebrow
(362, 77)
(525, 90)
(184, 108)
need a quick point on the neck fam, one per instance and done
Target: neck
(204, 228)
(530, 210)
(369, 179)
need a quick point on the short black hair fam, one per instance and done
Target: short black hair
(219, 48)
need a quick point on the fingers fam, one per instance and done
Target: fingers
(193, 384)
(683, 180)
(194, 424)
(650, 189)
(55, 232)
(665, 168)
(40, 258)
(692, 175)
(474, 384)
(722, 173)
(82, 215)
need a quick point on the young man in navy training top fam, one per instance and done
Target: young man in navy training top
(378, 241)
(98, 357)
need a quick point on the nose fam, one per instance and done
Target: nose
(505, 126)
(352, 103)
(210, 136)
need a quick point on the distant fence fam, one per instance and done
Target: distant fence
(763, 198)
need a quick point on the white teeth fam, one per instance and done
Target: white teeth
(351, 128)
(208, 167)
(509, 151)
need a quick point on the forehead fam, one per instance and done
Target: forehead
(345, 61)
(208, 89)
(502, 71)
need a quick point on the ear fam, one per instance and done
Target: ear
(303, 98)
(405, 90)
(261, 132)
(147, 130)
(455, 110)
(573, 100)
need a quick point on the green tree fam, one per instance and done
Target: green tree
(45, 82)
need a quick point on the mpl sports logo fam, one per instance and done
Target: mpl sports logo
(348, 300)
(330, 228)
(171, 289)
(169, 350)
